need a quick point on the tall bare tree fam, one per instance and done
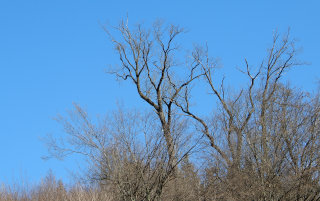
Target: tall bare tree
(150, 59)
(268, 122)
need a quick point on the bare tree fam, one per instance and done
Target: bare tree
(264, 130)
(150, 59)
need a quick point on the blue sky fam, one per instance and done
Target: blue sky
(53, 53)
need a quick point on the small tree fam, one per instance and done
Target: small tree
(126, 153)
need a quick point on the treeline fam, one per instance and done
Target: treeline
(50, 189)
(259, 143)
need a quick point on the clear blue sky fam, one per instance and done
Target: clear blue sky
(53, 53)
